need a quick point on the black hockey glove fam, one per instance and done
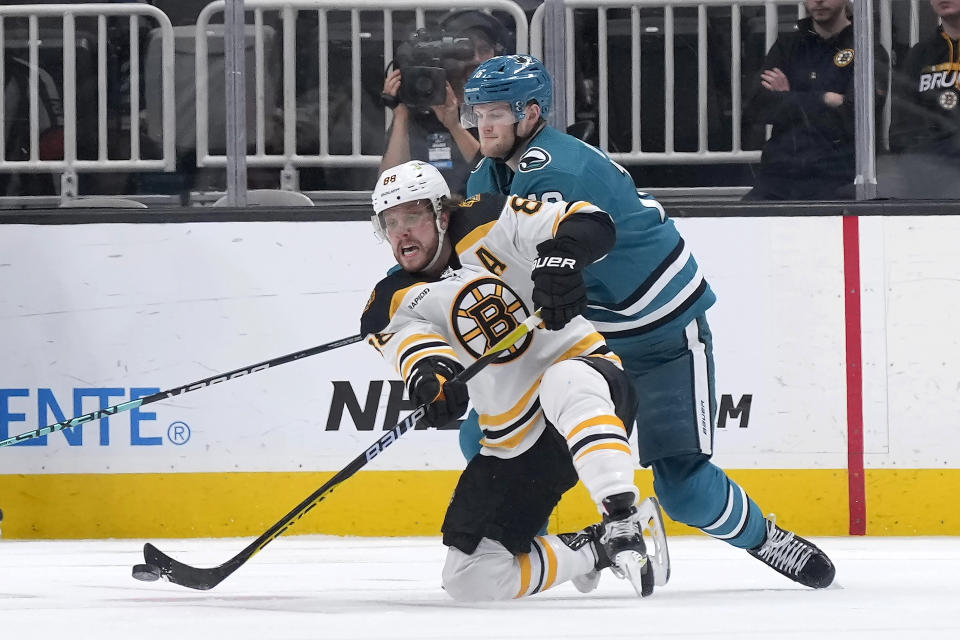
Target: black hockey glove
(432, 381)
(558, 288)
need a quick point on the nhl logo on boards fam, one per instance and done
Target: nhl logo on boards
(948, 100)
(485, 311)
(843, 57)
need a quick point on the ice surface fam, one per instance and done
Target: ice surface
(371, 588)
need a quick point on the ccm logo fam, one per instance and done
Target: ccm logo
(555, 261)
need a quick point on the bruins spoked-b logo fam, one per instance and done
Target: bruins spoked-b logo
(843, 57)
(948, 100)
(486, 310)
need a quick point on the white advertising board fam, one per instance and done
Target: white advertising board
(778, 338)
(911, 280)
(91, 314)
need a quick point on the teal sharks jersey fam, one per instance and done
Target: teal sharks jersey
(649, 279)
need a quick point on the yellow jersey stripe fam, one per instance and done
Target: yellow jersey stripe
(419, 337)
(551, 560)
(524, 560)
(514, 412)
(592, 341)
(569, 212)
(612, 357)
(474, 236)
(607, 420)
(618, 446)
(412, 341)
(512, 441)
(420, 355)
(397, 298)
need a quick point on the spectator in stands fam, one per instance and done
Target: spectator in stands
(926, 110)
(806, 92)
(435, 134)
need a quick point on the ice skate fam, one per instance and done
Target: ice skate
(797, 558)
(648, 520)
(622, 541)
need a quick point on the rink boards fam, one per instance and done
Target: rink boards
(828, 334)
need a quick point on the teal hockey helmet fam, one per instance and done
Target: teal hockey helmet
(515, 79)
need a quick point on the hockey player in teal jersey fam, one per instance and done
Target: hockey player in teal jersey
(647, 297)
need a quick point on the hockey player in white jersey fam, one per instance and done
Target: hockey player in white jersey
(556, 407)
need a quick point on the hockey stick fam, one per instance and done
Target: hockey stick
(176, 391)
(159, 564)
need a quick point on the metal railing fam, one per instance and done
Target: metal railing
(70, 164)
(285, 155)
(288, 158)
(639, 13)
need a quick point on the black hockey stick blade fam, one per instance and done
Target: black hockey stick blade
(165, 567)
(176, 391)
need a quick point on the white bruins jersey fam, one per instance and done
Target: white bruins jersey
(472, 306)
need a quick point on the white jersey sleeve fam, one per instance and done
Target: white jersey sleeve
(531, 222)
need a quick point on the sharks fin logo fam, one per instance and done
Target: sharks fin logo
(535, 158)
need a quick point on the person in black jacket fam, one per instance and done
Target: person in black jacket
(806, 92)
(926, 110)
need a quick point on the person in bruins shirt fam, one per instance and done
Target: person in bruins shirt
(925, 130)
(806, 91)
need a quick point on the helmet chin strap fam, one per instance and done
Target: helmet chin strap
(436, 256)
(519, 141)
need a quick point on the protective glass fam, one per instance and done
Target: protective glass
(487, 114)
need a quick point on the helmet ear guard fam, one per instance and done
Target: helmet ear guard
(408, 182)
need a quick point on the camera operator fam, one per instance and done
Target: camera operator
(426, 89)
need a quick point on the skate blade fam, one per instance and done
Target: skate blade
(651, 519)
(632, 566)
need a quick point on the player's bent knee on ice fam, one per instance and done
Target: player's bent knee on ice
(489, 573)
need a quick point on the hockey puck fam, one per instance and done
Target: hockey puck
(146, 572)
